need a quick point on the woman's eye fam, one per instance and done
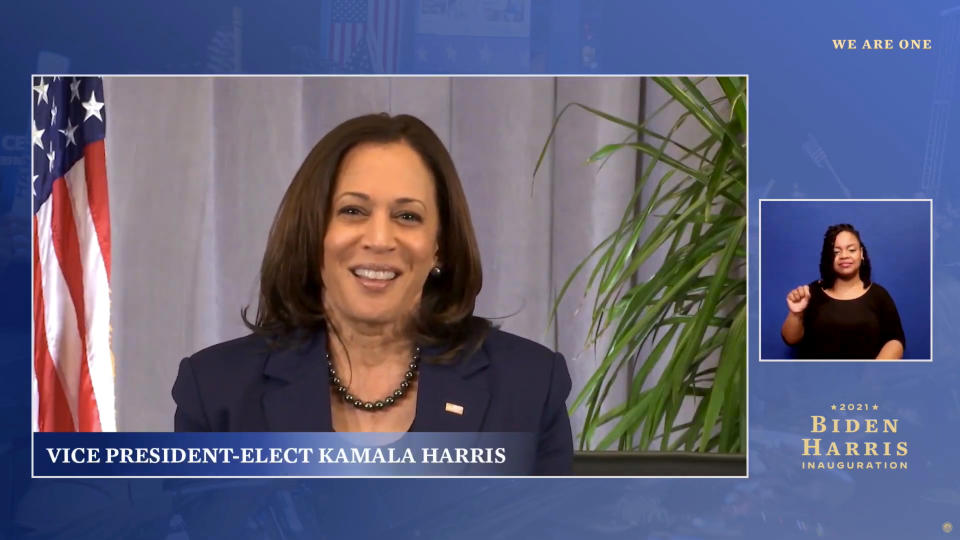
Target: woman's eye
(350, 211)
(409, 216)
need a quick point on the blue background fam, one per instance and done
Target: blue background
(823, 124)
(897, 236)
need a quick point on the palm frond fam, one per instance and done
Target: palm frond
(691, 313)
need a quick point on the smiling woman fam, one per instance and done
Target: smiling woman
(365, 318)
(843, 315)
(382, 236)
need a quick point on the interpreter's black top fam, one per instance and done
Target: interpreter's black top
(853, 329)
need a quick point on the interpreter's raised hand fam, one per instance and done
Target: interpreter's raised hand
(798, 299)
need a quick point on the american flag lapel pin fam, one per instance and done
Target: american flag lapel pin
(453, 408)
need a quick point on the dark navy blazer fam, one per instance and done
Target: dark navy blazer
(510, 384)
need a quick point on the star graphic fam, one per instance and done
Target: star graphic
(93, 107)
(75, 90)
(37, 135)
(875, 406)
(33, 185)
(451, 53)
(53, 114)
(69, 132)
(41, 90)
(51, 155)
(833, 407)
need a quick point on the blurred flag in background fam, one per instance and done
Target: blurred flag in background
(73, 373)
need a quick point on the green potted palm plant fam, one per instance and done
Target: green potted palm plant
(690, 318)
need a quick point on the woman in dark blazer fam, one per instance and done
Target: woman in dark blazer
(365, 319)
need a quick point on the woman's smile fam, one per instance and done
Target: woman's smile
(376, 277)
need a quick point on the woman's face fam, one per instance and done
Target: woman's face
(381, 240)
(847, 255)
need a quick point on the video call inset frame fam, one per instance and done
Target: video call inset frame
(897, 267)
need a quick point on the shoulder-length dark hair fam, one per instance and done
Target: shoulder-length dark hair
(290, 283)
(827, 275)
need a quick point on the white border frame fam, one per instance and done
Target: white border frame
(409, 75)
(760, 279)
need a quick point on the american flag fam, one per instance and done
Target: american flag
(370, 24)
(73, 375)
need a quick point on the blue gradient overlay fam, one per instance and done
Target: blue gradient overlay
(823, 124)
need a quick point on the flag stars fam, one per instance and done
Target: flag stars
(41, 90)
(53, 114)
(37, 135)
(93, 107)
(75, 90)
(68, 133)
(51, 155)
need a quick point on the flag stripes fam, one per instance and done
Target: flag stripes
(72, 365)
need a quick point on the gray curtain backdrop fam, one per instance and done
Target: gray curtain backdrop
(197, 167)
